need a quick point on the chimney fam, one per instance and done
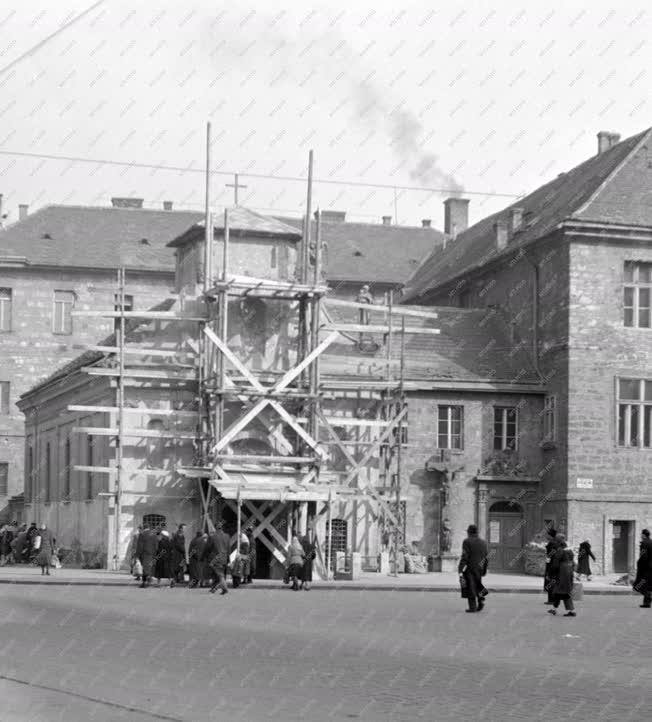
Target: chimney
(456, 216)
(515, 220)
(387, 220)
(167, 205)
(606, 140)
(425, 223)
(333, 216)
(23, 209)
(501, 232)
(127, 202)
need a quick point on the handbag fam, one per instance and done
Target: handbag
(138, 568)
(54, 562)
(577, 592)
(464, 587)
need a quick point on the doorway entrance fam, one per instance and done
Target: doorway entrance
(620, 545)
(506, 527)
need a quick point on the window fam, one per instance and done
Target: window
(450, 427)
(67, 472)
(89, 474)
(339, 527)
(4, 479)
(29, 474)
(636, 294)
(5, 391)
(63, 304)
(129, 302)
(153, 521)
(48, 473)
(273, 261)
(549, 418)
(5, 309)
(505, 428)
(634, 412)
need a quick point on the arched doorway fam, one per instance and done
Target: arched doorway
(505, 537)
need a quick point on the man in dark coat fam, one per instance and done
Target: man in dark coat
(32, 533)
(310, 551)
(472, 567)
(6, 537)
(163, 569)
(252, 556)
(196, 562)
(561, 575)
(217, 554)
(179, 553)
(643, 581)
(551, 547)
(146, 550)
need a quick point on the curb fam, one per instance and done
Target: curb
(353, 587)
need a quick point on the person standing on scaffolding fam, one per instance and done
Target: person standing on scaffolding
(365, 296)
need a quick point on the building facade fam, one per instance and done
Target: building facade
(568, 268)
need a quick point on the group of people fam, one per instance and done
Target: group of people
(156, 554)
(27, 545)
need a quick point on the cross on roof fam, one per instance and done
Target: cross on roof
(236, 185)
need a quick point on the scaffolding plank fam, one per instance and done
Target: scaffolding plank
(141, 373)
(151, 315)
(372, 328)
(271, 459)
(154, 353)
(144, 433)
(130, 410)
(378, 308)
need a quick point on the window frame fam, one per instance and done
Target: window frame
(640, 409)
(635, 285)
(504, 422)
(63, 305)
(5, 398)
(67, 479)
(449, 424)
(4, 478)
(90, 448)
(48, 473)
(6, 316)
(128, 305)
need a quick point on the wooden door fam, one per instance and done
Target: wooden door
(620, 546)
(505, 538)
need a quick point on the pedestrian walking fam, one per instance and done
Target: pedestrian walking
(245, 558)
(296, 559)
(45, 547)
(196, 560)
(643, 581)
(164, 569)
(6, 538)
(146, 551)
(473, 565)
(216, 554)
(135, 567)
(551, 547)
(561, 573)
(32, 533)
(20, 545)
(310, 552)
(584, 553)
(179, 553)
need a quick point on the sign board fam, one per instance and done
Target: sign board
(494, 532)
(584, 483)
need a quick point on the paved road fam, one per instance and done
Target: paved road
(85, 653)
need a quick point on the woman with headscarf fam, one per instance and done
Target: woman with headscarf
(296, 559)
(45, 549)
(583, 564)
(561, 573)
(310, 552)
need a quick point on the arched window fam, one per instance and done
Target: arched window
(153, 521)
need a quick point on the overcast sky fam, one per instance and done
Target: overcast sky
(483, 97)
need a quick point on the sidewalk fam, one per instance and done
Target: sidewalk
(432, 582)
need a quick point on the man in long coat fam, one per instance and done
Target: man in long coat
(217, 554)
(643, 581)
(146, 549)
(561, 573)
(472, 567)
(548, 582)
(179, 553)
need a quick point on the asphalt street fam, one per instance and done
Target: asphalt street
(88, 653)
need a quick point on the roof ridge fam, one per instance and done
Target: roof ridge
(645, 135)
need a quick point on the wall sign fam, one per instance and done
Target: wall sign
(584, 483)
(494, 532)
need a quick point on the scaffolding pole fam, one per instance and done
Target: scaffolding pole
(120, 404)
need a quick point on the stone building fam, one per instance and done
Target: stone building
(64, 257)
(569, 268)
(470, 445)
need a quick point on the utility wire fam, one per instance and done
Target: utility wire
(53, 35)
(187, 169)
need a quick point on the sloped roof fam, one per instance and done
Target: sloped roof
(472, 345)
(371, 252)
(246, 221)
(97, 237)
(601, 188)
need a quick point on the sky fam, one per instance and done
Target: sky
(403, 104)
